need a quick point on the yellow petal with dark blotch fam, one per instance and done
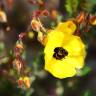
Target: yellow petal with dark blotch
(55, 39)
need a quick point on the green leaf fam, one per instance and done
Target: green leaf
(87, 93)
(84, 71)
(2, 46)
(71, 6)
(86, 5)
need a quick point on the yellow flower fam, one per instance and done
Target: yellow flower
(64, 54)
(68, 27)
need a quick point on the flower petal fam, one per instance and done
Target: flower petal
(55, 39)
(68, 27)
(75, 46)
(60, 68)
(76, 61)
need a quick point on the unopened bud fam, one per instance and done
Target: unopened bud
(17, 65)
(92, 20)
(24, 82)
(54, 14)
(27, 82)
(80, 18)
(20, 82)
(35, 25)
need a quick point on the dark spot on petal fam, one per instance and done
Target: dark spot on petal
(60, 53)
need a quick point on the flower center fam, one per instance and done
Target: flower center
(60, 53)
